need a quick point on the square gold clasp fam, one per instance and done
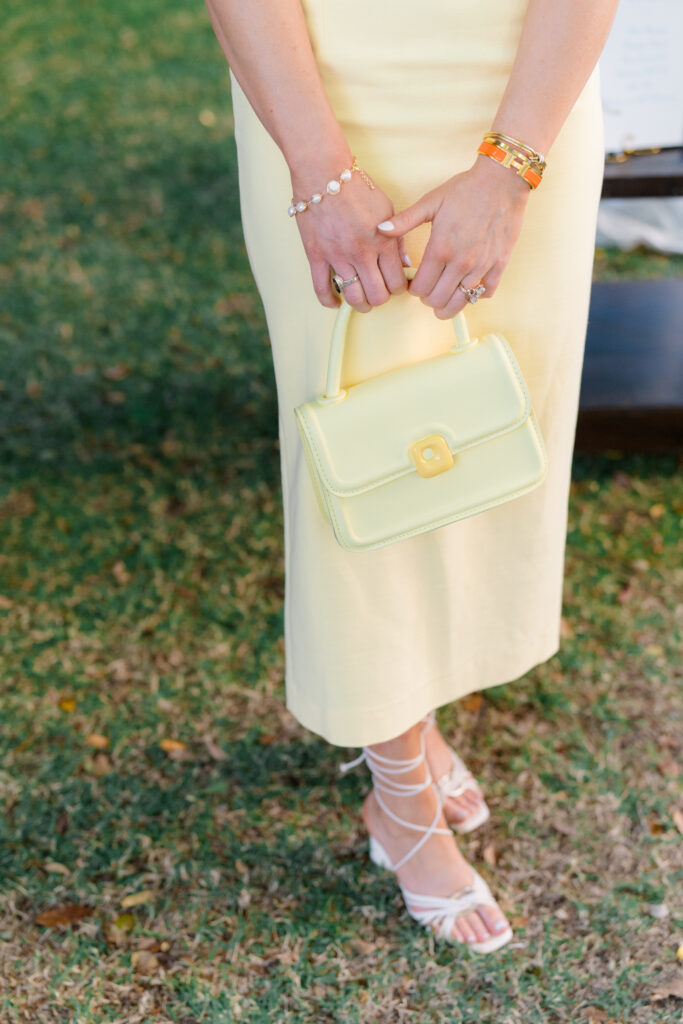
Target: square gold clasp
(432, 455)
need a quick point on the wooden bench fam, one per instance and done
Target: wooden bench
(632, 385)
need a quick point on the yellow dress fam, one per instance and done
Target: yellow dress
(374, 640)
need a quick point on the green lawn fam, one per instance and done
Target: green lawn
(144, 744)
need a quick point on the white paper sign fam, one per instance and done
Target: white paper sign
(641, 75)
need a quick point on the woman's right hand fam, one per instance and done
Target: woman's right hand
(340, 236)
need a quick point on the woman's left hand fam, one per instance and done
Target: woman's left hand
(476, 218)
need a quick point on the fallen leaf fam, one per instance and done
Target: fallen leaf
(172, 745)
(125, 922)
(472, 702)
(214, 751)
(119, 572)
(677, 818)
(670, 768)
(57, 868)
(67, 914)
(665, 740)
(5, 602)
(136, 898)
(96, 740)
(564, 828)
(144, 962)
(67, 704)
(657, 511)
(117, 372)
(490, 854)
(671, 986)
(113, 935)
(119, 670)
(657, 910)
(679, 953)
(566, 629)
(101, 764)
(594, 1015)
(362, 947)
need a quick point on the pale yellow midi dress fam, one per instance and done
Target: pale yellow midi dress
(374, 640)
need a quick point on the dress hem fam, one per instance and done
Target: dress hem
(349, 732)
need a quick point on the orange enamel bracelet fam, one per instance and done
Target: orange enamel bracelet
(514, 158)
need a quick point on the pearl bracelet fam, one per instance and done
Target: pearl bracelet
(332, 188)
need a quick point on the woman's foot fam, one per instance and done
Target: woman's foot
(437, 868)
(464, 805)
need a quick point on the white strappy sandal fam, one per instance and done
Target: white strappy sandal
(459, 779)
(440, 912)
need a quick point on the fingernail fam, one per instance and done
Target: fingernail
(406, 260)
(471, 938)
(386, 225)
(499, 925)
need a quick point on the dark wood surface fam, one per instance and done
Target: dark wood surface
(645, 174)
(632, 383)
(634, 345)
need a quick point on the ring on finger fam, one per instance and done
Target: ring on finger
(473, 293)
(340, 284)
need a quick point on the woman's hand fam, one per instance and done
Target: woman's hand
(476, 218)
(341, 233)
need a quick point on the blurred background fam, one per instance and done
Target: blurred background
(173, 846)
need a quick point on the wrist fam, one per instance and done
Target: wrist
(504, 178)
(311, 168)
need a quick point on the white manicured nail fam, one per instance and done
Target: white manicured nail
(406, 260)
(499, 925)
(386, 225)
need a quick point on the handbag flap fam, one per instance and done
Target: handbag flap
(468, 395)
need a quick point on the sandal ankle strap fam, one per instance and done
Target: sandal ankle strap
(382, 770)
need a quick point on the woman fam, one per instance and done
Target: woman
(376, 640)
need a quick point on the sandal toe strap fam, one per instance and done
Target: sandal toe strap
(459, 779)
(445, 910)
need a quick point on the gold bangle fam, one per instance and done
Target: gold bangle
(507, 142)
(514, 159)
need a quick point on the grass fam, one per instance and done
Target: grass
(145, 748)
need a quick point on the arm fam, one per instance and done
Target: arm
(477, 215)
(269, 50)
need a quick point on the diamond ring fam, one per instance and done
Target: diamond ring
(473, 293)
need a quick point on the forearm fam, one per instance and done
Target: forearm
(269, 51)
(559, 46)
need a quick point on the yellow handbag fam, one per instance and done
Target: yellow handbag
(423, 445)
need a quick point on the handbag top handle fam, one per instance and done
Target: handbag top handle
(333, 389)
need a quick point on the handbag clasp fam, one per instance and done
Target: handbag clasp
(432, 455)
